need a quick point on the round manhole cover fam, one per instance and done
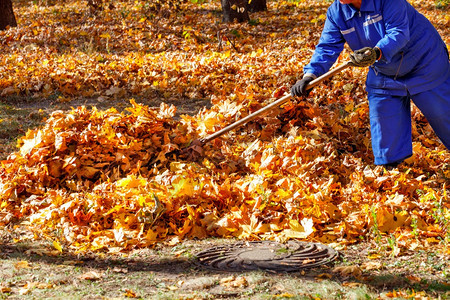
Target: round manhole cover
(266, 255)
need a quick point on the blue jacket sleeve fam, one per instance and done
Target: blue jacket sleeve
(396, 23)
(330, 45)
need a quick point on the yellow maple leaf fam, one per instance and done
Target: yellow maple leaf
(131, 181)
(57, 246)
(184, 187)
(298, 230)
(388, 222)
(151, 235)
(31, 143)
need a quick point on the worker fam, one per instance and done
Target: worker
(408, 60)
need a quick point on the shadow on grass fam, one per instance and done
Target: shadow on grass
(163, 261)
(148, 263)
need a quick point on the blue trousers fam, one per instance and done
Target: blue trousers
(390, 121)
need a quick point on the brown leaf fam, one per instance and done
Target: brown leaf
(91, 275)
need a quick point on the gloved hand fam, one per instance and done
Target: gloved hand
(365, 57)
(299, 88)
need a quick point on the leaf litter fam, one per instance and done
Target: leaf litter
(85, 179)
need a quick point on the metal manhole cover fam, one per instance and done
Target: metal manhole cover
(266, 255)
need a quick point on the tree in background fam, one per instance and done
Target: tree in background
(238, 9)
(7, 17)
(235, 10)
(257, 5)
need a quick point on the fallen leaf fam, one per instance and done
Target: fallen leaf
(57, 246)
(130, 294)
(234, 282)
(413, 279)
(324, 276)
(91, 275)
(120, 270)
(348, 271)
(23, 264)
(371, 265)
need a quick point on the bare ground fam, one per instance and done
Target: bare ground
(36, 271)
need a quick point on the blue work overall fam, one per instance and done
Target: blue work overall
(414, 66)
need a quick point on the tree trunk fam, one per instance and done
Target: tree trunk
(7, 17)
(235, 10)
(257, 5)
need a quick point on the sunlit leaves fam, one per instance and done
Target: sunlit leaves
(108, 180)
(87, 172)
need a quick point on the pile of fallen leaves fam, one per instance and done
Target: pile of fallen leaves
(87, 178)
(109, 180)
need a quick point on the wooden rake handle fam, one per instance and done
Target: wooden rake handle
(276, 103)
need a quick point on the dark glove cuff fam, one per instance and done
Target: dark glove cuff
(308, 78)
(378, 53)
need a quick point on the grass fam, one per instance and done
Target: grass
(169, 272)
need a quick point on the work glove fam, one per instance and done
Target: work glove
(299, 88)
(365, 57)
